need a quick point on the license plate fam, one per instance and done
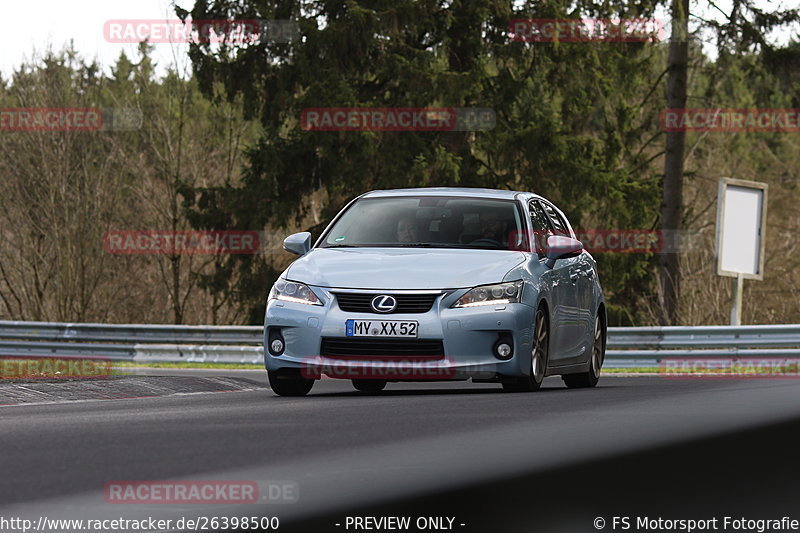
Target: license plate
(381, 328)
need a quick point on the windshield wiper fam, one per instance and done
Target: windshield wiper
(384, 245)
(431, 245)
(416, 245)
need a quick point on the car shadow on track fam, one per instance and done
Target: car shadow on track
(554, 388)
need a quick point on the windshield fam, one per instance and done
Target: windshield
(425, 221)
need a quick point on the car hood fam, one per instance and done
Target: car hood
(393, 268)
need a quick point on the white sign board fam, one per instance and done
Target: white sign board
(741, 221)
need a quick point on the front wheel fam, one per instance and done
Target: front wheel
(590, 378)
(289, 386)
(541, 340)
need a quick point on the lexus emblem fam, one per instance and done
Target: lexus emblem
(384, 303)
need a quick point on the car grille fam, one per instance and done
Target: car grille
(408, 349)
(359, 302)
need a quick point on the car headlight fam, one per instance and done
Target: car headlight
(292, 291)
(499, 293)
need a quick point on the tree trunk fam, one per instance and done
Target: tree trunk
(672, 194)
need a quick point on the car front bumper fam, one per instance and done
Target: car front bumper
(468, 337)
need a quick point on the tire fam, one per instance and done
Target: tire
(539, 357)
(286, 386)
(369, 385)
(590, 378)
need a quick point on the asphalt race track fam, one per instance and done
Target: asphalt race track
(491, 460)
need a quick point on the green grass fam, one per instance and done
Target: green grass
(221, 366)
(234, 366)
(634, 370)
(120, 366)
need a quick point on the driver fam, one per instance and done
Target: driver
(491, 229)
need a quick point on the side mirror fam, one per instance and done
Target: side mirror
(561, 247)
(298, 243)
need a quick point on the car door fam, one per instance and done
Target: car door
(573, 297)
(587, 305)
(557, 282)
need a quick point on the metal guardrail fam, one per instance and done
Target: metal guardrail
(172, 353)
(658, 343)
(242, 344)
(133, 342)
(130, 333)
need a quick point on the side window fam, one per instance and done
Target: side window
(538, 218)
(540, 226)
(559, 224)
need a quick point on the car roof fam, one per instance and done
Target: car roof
(465, 192)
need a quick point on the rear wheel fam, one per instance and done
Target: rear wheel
(541, 340)
(369, 385)
(590, 378)
(289, 386)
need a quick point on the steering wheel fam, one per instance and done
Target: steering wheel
(487, 242)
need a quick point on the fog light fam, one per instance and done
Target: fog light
(275, 342)
(503, 350)
(276, 346)
(504, 346)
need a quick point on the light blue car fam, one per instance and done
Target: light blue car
(437, 284)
